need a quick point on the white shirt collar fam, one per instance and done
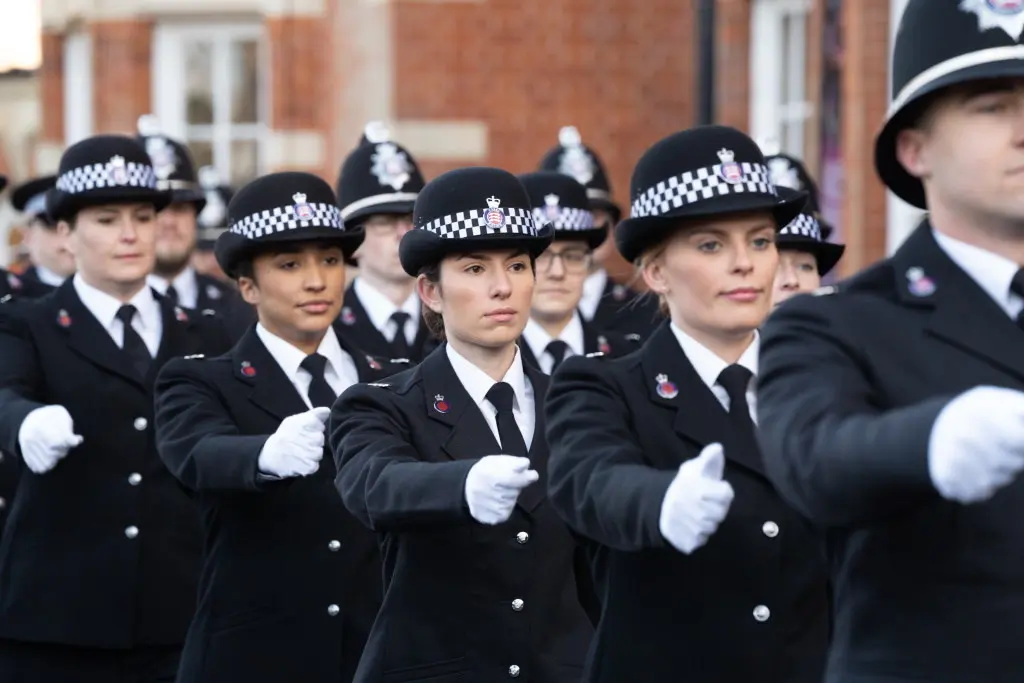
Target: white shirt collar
(478, 383)
(48, 277)
(290, 357)
(707, 364)
(185, 284)
(380, 308)
(593, 290)
(105, 307)
(538, 338)
(992, 272)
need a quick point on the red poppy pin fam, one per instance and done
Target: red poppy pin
(603, 346)
(247, 369)
(373, 363)
(441, 405)
(63, 319)
(180, 315)
(347, 316)
(665, 388)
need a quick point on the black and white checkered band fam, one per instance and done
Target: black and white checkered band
(178, 185)
(564, 219)
(696, 186)
(803, 225)
(106, 174)
(479, 222)
(269, 221)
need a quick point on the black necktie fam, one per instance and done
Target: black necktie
(400, 344)
(1017, 287)
(735, 379)
(172, 294)
(133, 345)
(512, 443)
(557, 350)
(320, 393)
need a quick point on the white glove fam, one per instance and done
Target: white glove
(697, 500)
(297, 446)
(45, 436)
(493, 486)
(976, 445)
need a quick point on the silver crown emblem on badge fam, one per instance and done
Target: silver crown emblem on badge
(551, 200)
(727, 156)
(117, 161)
(299, 198)
(493, 202)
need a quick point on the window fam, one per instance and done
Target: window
(779, 100)
(209, 91)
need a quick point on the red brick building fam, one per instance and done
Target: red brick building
(260, 85)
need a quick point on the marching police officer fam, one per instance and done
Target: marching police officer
(291, 581)
(704, 573)
(212, 223)
(443, 461)
(556, 329)
(377, 187)
(52, 263)
(101, 549)
(893, 408)
(804, 255)
(608, 304)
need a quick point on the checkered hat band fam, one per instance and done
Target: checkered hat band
(475, 224)
(565, 219)
(314, 215)
(98, 176)
(803, 226)
(696, 186)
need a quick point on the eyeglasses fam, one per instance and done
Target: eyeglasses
(574, 261)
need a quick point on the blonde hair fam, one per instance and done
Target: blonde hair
(641, 263)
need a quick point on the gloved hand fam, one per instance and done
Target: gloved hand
(697, 500)
(45, 436)
(976, 446)
(493, 486)
(297, 446)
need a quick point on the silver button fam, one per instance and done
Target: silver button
(134, 478)
(770, 529)
(522, 537)
(513, 671)
(141, 423)
(517, 605)
(334, 545)
(131, 532)
(333, 610)
(761, 613)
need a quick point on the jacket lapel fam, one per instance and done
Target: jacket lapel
(529, 358)
(447, 401)
(954, 300)
(535, 494)
(271, 389)
(357, 320)
(368, 368)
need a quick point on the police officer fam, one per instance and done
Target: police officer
(12, 286)
(377, 187)
(704, 573)
(608, 304)
(174, 276)
(212, 223)
(790, 172)
(291, 581)
(446, 461)
(556, 329)
(52, 263)
(101, 549)
(893, 409)
(804, 255)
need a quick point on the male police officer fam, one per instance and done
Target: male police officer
(892, 412)
(52, 263)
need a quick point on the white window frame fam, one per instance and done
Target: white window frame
(771, 115)
(78, 90)
(168, 79)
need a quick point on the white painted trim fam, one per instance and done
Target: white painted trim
(437, 140)
(283, 149)
(78, 87)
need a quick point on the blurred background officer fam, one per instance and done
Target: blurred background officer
(804, 255)
(52, 263)
(212, 223)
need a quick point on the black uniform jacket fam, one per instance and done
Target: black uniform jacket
(361, 330)
(850, 386)
(26, 286)
(291, 582)
(225, 301)
(102, 550)
(616, 445)
(625, 311)
(611, 344)
(463, 601)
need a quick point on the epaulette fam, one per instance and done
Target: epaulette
(400, 361)
(196, 356)
(826, 290)
(634, 337)
(382, 385)
(596, 354)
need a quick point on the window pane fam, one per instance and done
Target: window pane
(199, 82)
(202, 152)
(244, 82)
(244, 161)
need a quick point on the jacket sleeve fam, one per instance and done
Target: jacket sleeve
(381, 477)
(20, 377)
(598, 479)
(196, 437)
(828, 447)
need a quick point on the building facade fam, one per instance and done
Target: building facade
(262, 85)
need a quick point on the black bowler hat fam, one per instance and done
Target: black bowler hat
(786, 170)
(212, 221)
(29, 198)
(378, 177)
(103, 169)
(698, 173)
(277, 209)
(941, 43)
(560, 200)
(172, 164)
(575, 159)
(804, 233)
(471, 209)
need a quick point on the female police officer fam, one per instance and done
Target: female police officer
(704, 573)
(804, 255)
(447, 460)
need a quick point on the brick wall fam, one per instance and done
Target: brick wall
(122, 63)
(51, 88)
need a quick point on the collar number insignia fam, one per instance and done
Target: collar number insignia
(1007, 15)
(728, 169)
(918, 283)
(494, 217)
(391, 166)
(665, 388)
(441, 405)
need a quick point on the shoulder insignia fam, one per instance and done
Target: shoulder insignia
(405, 361)
(633, 337)
(382, 385)
(825, 291)
(209, 312)
(596, 354)
(195, 356)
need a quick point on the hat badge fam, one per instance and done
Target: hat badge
(551, 206)
(1007, 15)
(575, 160)
(117, 171)
(303, 210)
(783, 174)
(162, 154)
(391, 166)
(494, 217)
(728, 169)
(665, 388)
